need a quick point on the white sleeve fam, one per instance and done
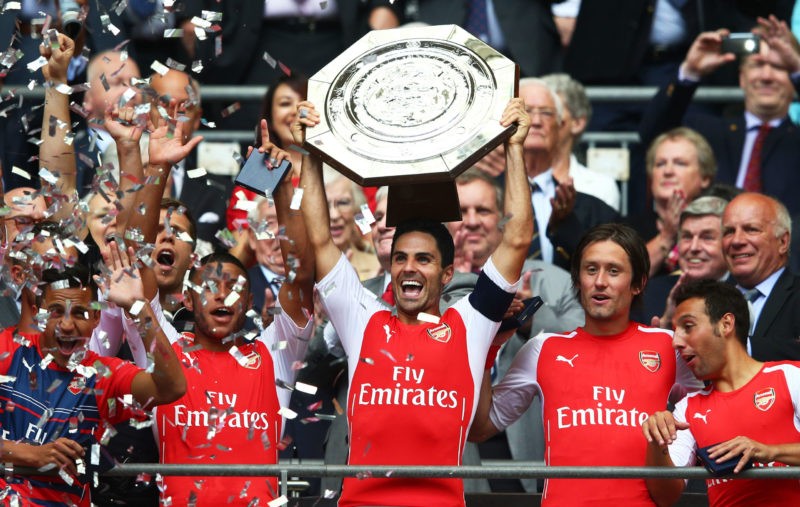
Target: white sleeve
(490, 270)
(106, 338)
(287, 342)
(348, 305)
(515, 392)
(122, 327)
(332, 340)
(791, 372)
(685, 381)
(682, 451)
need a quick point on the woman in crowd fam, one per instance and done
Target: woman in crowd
(680, 166)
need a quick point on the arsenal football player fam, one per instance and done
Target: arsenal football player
(597, 383)
(748, 412)
(415, 375)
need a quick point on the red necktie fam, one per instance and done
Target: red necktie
(388, 295)
(752, 178)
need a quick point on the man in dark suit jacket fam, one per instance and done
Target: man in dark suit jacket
(268, 272)
(564, 213)
(756, 237)
(700, 257)
(769, 80)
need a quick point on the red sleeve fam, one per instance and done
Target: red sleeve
(113, 386)
(237, 218)
(8, 346)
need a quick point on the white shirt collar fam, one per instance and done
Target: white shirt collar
(752, 121)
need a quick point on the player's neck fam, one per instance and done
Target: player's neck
(211, 343)
(606, 327)
(739, 369)
(413, 320)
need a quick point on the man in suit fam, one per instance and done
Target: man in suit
(205, 195)
(558, 209)
(325, 346)
(759, 150)
(109, 75)
(700, 257)
(267, 274)
(477, 235)
(756, 233)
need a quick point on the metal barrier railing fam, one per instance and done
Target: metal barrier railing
(595, 93)
(283, 471)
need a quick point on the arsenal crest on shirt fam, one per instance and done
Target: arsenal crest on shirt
(764, 399)
(76, 385)
(253, 361)
(650, 359)
(440, 333)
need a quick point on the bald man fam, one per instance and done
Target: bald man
(756, 233)
(205, 196)
(110, 79)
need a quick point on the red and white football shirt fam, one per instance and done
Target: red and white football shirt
(596, 391)
(229, 414)
(413, 389)
(766, 409)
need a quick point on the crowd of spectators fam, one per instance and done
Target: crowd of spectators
(123, 227)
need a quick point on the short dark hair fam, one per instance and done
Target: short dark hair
(719, 298)
(73, 277)
(169, 202)
(628, 239)
(444, 241)
(220, 257)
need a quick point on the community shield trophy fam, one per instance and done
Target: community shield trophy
(412, 108)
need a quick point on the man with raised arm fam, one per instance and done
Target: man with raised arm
(59, 397)
(415, 373)
(231, 412)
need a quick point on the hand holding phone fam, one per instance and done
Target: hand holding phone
(256, 176)
(518, 320)
(741, 44)
(724, 468)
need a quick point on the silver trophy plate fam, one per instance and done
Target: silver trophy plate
(411, 105)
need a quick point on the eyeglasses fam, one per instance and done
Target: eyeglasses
(544, 113)
(340, 204)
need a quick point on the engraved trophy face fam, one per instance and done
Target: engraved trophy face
(408, 106)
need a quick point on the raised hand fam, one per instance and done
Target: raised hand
(307, 116)
(57, 58)
(515, 113)
(494, 162)
(123, 286)
(123, 125)
(564, 201)
(276, 155)
(784, 49)
(168, 148)
(705, 56)
(464, 259)
(670, 223)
